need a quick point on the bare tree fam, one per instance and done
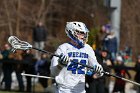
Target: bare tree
(18, 18)
(40, 15)
(8, 17)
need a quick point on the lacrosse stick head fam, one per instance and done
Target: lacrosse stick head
(18, 44)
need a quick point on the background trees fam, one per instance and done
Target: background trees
(17, 17)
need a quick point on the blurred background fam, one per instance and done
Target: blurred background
(102, 17)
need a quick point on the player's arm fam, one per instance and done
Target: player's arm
(98, 69)
(57, 63)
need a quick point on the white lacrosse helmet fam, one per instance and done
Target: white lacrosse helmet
(73, 28)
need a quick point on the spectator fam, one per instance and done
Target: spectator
(120, 70)
(39, 37)
(29, 63)
(128, 50)
(1, 57)
(7, 67)
(100, 85)
(107, 64)
(110, 43)
(137, 69)
(128, 54)
(96, 84)
(18, 67)
(42, 68)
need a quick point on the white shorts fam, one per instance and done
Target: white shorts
(70, 90)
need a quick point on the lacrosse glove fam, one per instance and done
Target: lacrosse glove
(98, 69)
(90, 73)
(63, 60)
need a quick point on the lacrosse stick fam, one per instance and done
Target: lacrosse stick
(22, 45)
(37, 76)
(18, 44)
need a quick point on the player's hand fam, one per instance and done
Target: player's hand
(98, 69)
(63, 60)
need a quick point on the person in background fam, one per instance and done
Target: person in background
(1, 57)
(18, 68)
(95, 84)
(107, 64)
(7, 67)
(137, 69)
(70, 76)
(110, 43)
(100, 85)
(28, 65)
(42, 68)
(120, 70)
(39, 37)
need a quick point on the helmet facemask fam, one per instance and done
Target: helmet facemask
(78, 32)
(81, 36)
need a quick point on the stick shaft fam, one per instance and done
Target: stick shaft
(37, 76)
(113, 75)
(107, 73)
(44, 51)
(130, 81)
(127, 80)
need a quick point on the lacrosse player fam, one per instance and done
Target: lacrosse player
(69, 75)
